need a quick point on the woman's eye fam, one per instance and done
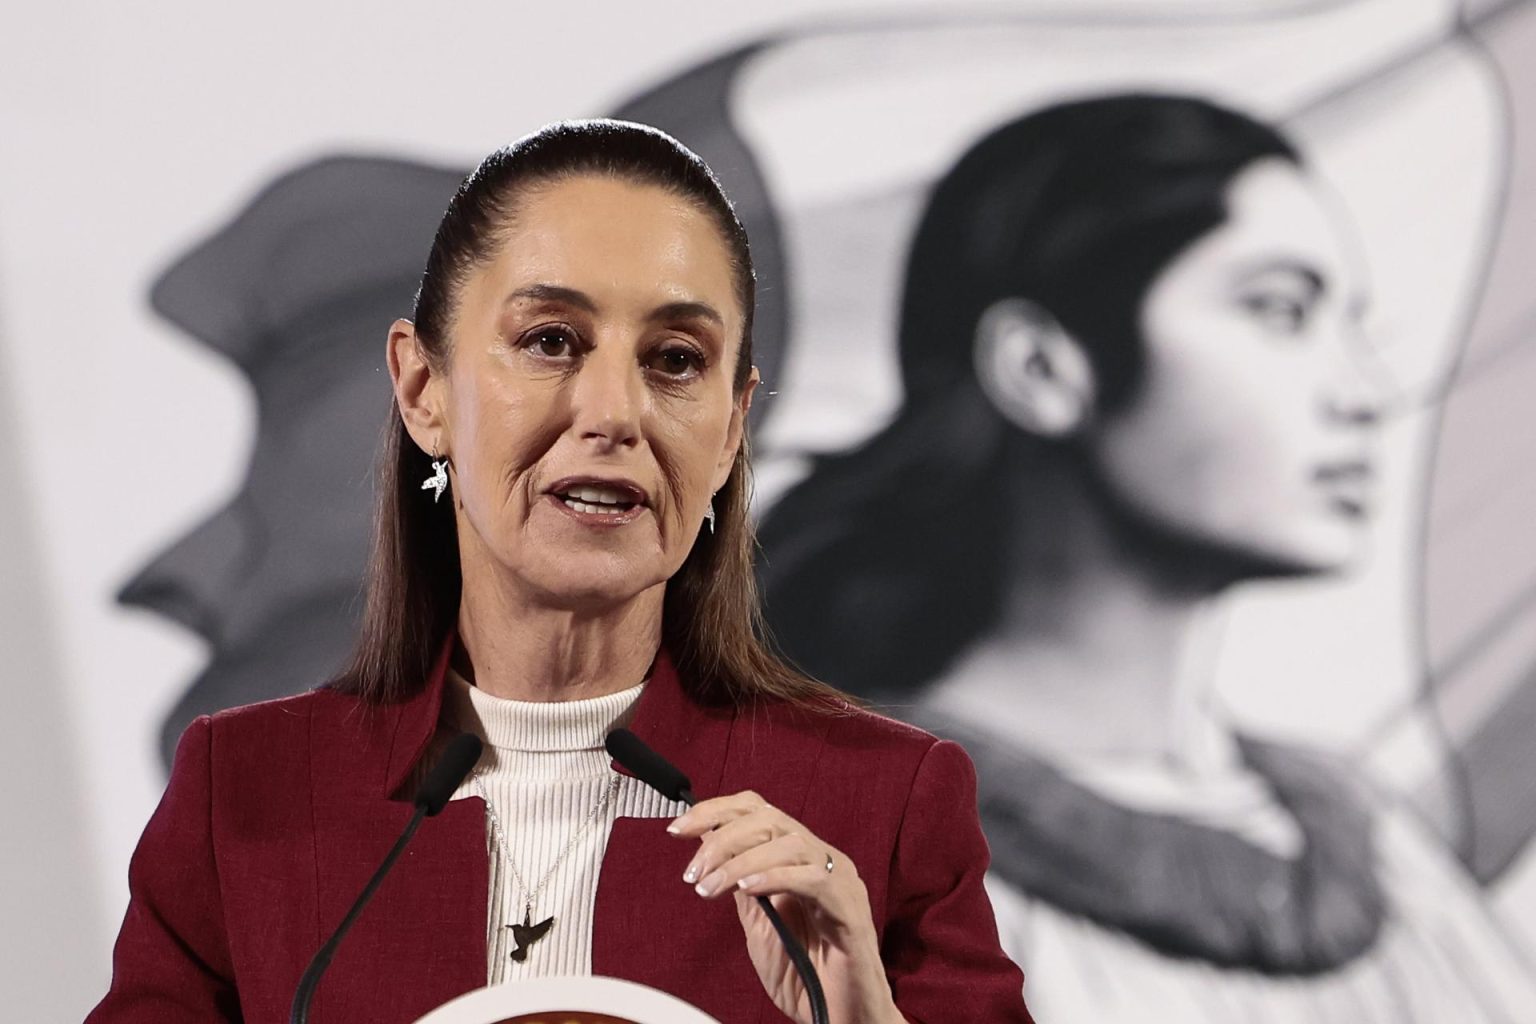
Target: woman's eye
(554, 342)
(1279, 313)
(677, 361)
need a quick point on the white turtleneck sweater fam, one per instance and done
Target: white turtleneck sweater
(549, 781)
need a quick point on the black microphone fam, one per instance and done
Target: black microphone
(648, 766)
(446, 775)
(664, 777)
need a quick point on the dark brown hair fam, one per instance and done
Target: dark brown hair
(711, 622)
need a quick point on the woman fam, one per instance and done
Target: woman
(1126, 344)
(575, 381)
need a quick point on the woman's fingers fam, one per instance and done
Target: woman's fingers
(707, 815)
(747, 829)
(755, 862)
(808, 881)
(743, 837)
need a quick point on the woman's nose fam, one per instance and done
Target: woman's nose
(1356, 408)
(608, 399)
(1358, 388)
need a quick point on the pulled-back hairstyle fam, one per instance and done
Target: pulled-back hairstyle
(889, 560)
(711, 621)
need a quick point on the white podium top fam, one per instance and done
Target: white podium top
(559, 1000)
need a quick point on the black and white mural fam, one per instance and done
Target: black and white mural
(1145, 407)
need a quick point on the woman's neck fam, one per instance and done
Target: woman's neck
(512, 645)
(1103, 651)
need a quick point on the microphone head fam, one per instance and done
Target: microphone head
(648, 766)
(456, 763)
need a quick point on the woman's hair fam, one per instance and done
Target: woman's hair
(711, 621)
(889, 559)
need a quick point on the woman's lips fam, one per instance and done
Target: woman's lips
(1347, 485)
(597, 490)
(600, 503)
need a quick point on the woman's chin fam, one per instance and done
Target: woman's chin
(592, 582)
(1323, 552)
(562, 565)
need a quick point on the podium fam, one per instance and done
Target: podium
(585, 1000)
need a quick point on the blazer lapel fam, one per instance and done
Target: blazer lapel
(649, 926)
(690, 735)
(421, 940)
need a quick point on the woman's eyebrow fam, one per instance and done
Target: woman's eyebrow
(687, 311)
(1310, 275)
(554, 293)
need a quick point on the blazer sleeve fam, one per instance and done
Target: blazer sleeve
(940, 945)
(171, 964)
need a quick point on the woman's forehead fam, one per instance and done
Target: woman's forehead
(610, 237)
(1280, 215)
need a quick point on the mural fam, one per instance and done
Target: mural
(1142, 404)
(1166, 392)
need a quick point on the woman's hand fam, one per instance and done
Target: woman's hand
(749, 848)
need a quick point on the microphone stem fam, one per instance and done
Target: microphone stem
(802, 961)
(299, 1014)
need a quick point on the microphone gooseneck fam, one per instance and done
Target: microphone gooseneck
(446, 775)
(664, 777)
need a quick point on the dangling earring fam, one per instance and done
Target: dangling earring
(709, 516)
(438, 481)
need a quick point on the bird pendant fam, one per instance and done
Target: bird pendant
(527, 933)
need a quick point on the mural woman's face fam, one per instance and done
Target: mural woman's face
(588, 407)
(1252, 429)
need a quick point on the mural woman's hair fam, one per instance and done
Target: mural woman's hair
(711, 621)
(888, 560)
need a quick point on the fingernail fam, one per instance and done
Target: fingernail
(673, 828)
(749, 881)
(692, 874)
(709, 885)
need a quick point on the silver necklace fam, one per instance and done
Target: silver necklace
(527, 933)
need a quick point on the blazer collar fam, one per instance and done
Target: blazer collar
(692, 736)
(416, 721)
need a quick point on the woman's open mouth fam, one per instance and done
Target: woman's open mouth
(594, 501)
(597, 500)
(1347, 486)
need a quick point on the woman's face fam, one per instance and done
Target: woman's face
(588, 405)
(1252, 430)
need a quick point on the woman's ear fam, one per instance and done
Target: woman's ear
(1034, 372)
(418, 388)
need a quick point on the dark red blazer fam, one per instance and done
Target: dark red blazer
(277, 814)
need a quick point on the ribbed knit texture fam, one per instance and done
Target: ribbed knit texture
(545, 771)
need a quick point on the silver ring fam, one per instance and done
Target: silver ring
(829, 863)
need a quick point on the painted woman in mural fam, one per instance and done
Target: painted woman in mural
(1128, 343)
